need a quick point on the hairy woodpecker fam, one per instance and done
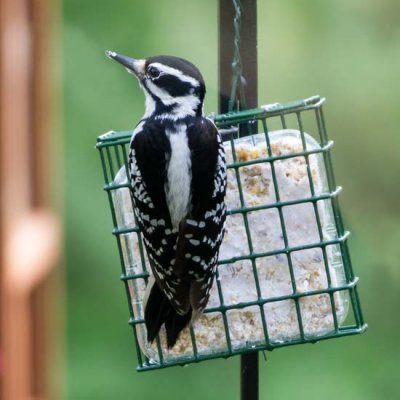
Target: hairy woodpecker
(178, 184)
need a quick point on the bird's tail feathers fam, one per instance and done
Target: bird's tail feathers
(158, 311)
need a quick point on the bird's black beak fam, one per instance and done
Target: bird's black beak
(132, 65)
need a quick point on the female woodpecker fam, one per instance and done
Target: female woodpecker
(178, 184)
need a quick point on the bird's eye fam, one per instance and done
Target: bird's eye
(153, 72)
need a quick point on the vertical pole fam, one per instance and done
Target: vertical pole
(248, 50)
(225, 52)
(249, 376)
(248, 39)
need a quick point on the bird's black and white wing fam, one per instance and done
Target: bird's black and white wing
(183, 257)
(201, 234)
(147, 165)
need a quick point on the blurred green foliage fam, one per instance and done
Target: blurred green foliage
(348, 51)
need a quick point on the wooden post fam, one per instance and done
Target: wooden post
(30, 234)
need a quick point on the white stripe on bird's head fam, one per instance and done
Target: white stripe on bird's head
(167, 70)
(181, 106)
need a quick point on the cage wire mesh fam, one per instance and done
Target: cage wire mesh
(284, 274)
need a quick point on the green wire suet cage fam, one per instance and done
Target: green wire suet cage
(284, 276)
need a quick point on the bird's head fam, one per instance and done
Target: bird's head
(174, 87)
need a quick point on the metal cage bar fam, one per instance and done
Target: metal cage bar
(113, 149)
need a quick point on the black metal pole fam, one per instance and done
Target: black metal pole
(249, 376)
(248, 50)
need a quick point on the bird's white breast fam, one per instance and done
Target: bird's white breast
(179, 176)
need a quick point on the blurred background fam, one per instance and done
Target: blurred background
(346, 50)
